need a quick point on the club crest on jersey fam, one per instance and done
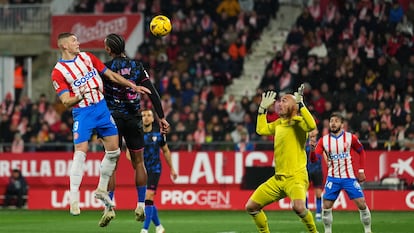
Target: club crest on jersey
(154, 138)
(84, 79)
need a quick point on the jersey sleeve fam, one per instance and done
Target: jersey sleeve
(100, 66)
(144, 74)
(319, 147)
(264, 128)
(162, 141)
(358, 147)
(59, 83)
(308, 124)
(356, 144)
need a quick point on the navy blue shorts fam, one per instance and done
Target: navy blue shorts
(152, 181)
(130, 128)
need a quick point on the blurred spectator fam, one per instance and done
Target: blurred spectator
(409, 140)
(7, 105)
(237, 115)
(16, 190)
(227, 144)
(236, 134)
(230, 7)
(18, 80)
(373, 143)
(17, 144)
(396, 12)
(200, 134)
(244, 145)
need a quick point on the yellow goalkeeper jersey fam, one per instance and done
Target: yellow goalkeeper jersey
(290, 139)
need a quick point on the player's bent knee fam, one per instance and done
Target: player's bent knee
(113, 155)
(252, 208)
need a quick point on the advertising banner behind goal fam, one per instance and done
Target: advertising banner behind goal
(206, 180)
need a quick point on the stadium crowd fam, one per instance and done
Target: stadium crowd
(355, 57)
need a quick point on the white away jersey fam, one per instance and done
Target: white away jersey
(338, 154)
(80, 73)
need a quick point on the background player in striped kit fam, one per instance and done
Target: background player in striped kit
(154, 141)
(124, 105)
(77, 81)
(315, 172)
(337, 146)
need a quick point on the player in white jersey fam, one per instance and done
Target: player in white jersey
(338, 148)
(77, 81)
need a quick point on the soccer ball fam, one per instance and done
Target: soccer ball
(160, 25)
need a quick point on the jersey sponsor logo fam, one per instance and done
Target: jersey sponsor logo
(124, 71)
(85, 79)
(342, 155)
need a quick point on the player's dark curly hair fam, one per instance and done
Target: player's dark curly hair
(338, 115)
(116, 43)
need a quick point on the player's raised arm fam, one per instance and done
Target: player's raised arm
(309, 123)
(117, 78)
(156, 102)
(262, 127)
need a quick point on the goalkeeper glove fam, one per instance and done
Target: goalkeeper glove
(299, 96)
(268, 98)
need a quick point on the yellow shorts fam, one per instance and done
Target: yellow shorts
(278, 187)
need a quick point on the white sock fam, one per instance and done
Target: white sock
(76, 174)
(365, 216)
(141, 204)
(107, 168)
(327, 220)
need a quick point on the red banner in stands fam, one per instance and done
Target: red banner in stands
(206, 179)
(92, 29)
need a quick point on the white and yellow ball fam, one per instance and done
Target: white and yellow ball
(160, 25)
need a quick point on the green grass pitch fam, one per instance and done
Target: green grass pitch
(25, 221)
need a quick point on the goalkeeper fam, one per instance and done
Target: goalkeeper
(291, 177)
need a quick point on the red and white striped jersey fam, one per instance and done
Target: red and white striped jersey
(338, 153)
(80, 73)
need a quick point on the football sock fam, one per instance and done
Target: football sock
(148, 212)
(108, 165)
(76, 174)
(111, 194)
(307, 219)
(260, 219)
(327, 220)
(318, 205)
(141, 191)
(155, 218)
(365, 216)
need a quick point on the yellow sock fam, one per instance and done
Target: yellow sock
(309, 222)
(260, 220)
